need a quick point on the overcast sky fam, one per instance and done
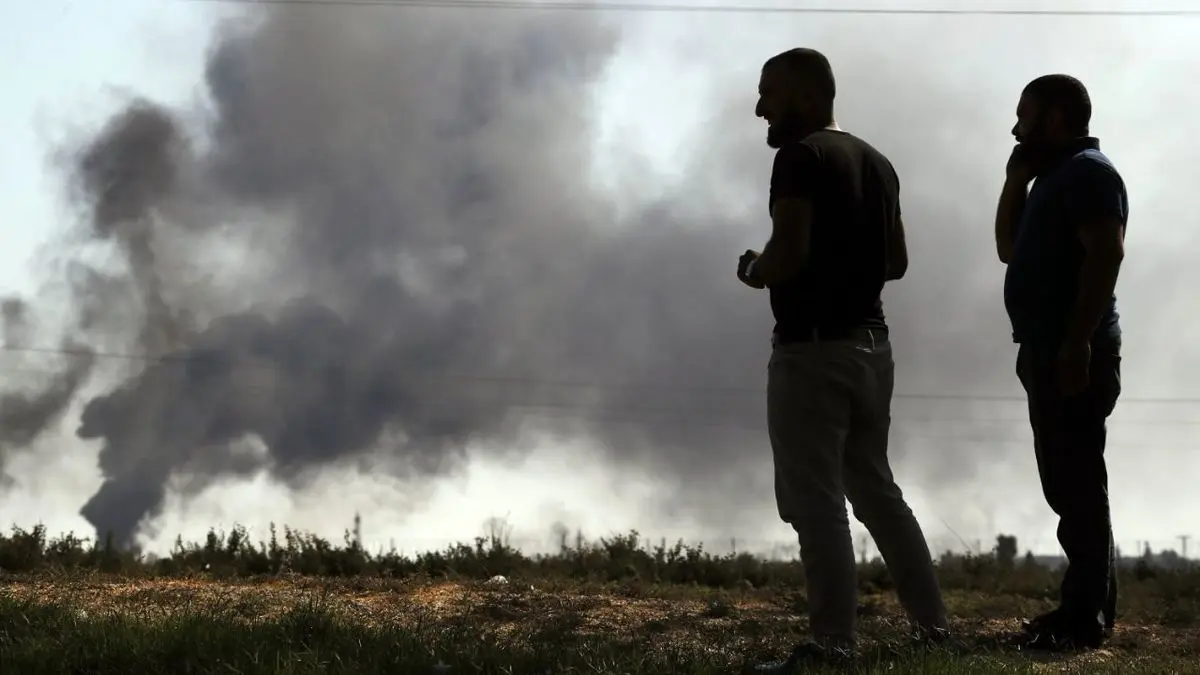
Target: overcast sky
(670, 125)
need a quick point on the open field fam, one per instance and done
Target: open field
(306, 606)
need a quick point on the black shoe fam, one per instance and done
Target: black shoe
(1061, 639)
(932, 636)
(1046, 622)
(809, 652)
(1055, 620)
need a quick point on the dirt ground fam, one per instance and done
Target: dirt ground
(690, 619)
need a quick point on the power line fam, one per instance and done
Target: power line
(692, 415)
(539, 382)
(695, 417)
(898, 416)
(474, 379)
(676, 8)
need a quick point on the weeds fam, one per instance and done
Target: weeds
(300, 604)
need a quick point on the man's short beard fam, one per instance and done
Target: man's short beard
(1039, 150)
(1041, 147)
(784, 130)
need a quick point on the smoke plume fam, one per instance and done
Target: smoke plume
(380, 237)
(425, 259)
(24, 415)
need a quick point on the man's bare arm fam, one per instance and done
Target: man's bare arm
(1008, 215)
(1104, 250)
(786, 252)
(897, 253)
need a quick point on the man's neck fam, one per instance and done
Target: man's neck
(832, 126)
(799, 132)
(1067, 149)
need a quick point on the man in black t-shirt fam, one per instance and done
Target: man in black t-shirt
(836, 238)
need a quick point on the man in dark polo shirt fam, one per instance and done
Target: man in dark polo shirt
(1063, 242)
(836, 238)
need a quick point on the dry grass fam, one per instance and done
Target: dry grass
(699, 630)
(304, 606)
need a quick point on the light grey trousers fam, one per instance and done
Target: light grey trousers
(828, 414)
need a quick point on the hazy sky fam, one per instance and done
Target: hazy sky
(675, 125)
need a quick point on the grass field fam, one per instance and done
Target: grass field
(304, 605)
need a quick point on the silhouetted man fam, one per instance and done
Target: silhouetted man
(836, 238)
(1063, 242)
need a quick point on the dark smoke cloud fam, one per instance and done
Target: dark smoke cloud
(25, 414)
(123, 174)
(382, 238)
(417, 198)
(15, 315)
(23, 417)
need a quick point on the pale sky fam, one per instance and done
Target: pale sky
(64, 65)
(61, 63)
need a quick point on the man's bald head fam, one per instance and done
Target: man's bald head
(796, 92)
(808, 68)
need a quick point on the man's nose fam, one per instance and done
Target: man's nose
(758, 109)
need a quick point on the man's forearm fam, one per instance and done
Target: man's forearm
(1008, 215)
(773, 264)
(896, 262)
(1097, 281)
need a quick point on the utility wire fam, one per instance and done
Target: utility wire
(584, 410)
(690, 414)
(538, 382)
(697, 417)
(676, 8)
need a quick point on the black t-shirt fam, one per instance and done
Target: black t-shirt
(856, 205)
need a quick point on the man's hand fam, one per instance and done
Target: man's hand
(1072, 367)
(1019, 170)
(744, 263)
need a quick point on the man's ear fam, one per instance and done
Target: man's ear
(1056, 119)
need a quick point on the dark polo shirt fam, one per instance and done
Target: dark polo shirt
(855, 195)
(1042, 281)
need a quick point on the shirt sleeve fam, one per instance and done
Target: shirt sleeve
(896, 183)
(794, 173)
(1095, 192)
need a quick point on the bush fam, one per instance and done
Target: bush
(616, 559)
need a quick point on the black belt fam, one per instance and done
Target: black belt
(878, 335)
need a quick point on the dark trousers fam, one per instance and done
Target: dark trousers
(1069, 435)
(829, 413)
